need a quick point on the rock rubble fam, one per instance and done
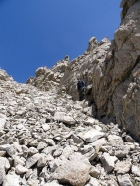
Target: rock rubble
(47, 139)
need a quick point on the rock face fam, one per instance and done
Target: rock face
(111, 72)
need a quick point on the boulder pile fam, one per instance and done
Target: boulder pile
(47, 139)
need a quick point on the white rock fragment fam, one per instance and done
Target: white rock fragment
(2, 123)
(124, 180)
(4, 165)
(93, 135)
(136, 170)
(20, 169)
(46, 127)
(123, 167)
(108, 161)
(11, 180)
(32, 160)
(76, 171)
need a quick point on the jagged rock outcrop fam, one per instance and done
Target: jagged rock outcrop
(47, 79)
(4, 76)
(40, 145)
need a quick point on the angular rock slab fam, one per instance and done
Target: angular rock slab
(122, 167)
(45, 127)
(94, 182)
(93, 135)
(4, 164)
(108, 162)
(9, 148)
(69, 120)
(115, 140)
(89, 121)
(32, 160)
(74, 172)
(124, 180)
(20, 169)
(11, 180)
(59, 116)
(2, 123)
(136, 170)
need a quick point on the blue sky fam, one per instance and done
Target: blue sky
(36, 33)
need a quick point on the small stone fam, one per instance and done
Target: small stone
(89, 121)
(136, 170)
(4, 165)
(42, 160)
(108, 162)
(11, 180)
(2, 153)
(93, 135)
(74, 172)
(10, 149)
(124, 180)
(115, 140)
(32, 151)
(123, 167)
(41, 145)
(20, 169)
(45, 127)
(32, 160)
(94, 182)
(95, 172)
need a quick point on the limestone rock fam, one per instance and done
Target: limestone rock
(4, 76)
(94, 182)
(20, 169)
(108, 162)
(123, 167)
(69, 120)
(124, 180)
(136, 170)
(42, 160)
(45, 127)
(32, 151)
(52, 76)
(11, 180)
(4, 165)
(115, 140)
(32, 160)
(76, 172)
(10, 149)
(2, 123)
(93, 135)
